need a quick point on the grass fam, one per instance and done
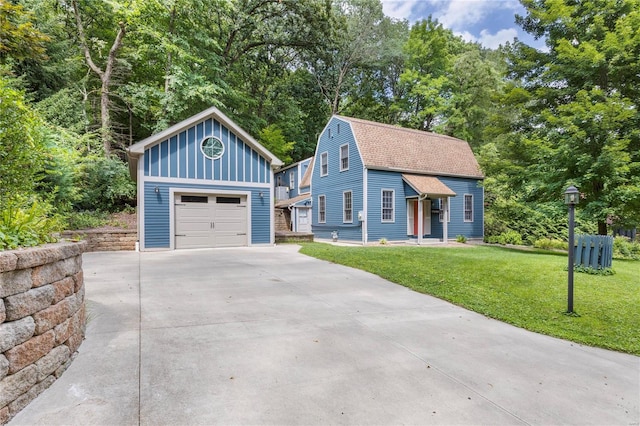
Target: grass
(525, 288)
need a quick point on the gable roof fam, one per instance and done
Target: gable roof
(137, 149)
(388, 147)
(428, 185)
(306, 178)
(291, 201)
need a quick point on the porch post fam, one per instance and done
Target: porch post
(420, 220)
(445, 221)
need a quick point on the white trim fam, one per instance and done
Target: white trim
(213, 112)
(172, 210)
(207, 157)
(141, 215)
(205, 182)
(272, 220)
(423, 172)
(393, 204)
(292, 180)
(365, 204)
(341, 158)
(326, 155)
(344, 210)
(464, 208)
(325, 208)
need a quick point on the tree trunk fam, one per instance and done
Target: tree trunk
(104, 75)
(602, 228)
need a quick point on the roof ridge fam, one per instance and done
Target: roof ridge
(398, 128)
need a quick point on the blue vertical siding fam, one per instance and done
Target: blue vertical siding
(157, 210)
(180, 156)
(333, 185)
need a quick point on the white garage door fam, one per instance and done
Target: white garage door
(210, 221)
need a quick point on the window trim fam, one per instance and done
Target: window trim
(324, 164)
(393, 205)
(292, 180)
(344, 207)
(342, 159)
(441, 214)
(322, 208)
(464, 208)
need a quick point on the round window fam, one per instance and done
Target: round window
(212, 147)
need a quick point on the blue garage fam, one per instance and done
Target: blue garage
(203, 182)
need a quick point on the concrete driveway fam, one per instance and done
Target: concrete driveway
(269, 336)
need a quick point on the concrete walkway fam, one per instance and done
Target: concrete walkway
(269, 336)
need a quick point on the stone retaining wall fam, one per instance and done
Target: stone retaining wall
(42, 320)
(123, 239)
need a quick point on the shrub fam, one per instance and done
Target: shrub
(509, 237)
(624, 248)
(27, 224)
(106, 185)
(461, 239)
(551, 244)
(86, 220)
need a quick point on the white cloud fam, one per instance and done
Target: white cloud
(398, 9)
(493, 41)
(461, 13)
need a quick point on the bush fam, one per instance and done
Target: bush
(106, 185)
(509, 237)
(86, 220)
(624, 248)
(461, 239)
(551, 244)
(28, 224)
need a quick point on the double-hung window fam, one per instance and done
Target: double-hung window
(468, 208)
(324, 164)
(292, 180)
(322, 209)
(344, 157)
(347, 207)
(388, 213)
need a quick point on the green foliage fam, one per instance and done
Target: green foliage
(86, 219)
(27, 223)
(623, 248)
(594, 271)
(461, 239)
(105, 185)
(271, 137)
(508, 237)
(19, 38)
(21, 144)
(550, 244)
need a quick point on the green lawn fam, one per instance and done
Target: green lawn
(526, 289)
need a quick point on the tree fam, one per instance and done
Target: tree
(105, 74)
(584, 103)
(19, 38)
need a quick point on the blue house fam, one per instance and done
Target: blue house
(373, 181)
(293, 195)
(203, 182)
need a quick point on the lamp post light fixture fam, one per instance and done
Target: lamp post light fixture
(571, 197)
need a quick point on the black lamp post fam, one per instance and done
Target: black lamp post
(571, 196)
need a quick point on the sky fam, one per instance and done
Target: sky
(488, 22)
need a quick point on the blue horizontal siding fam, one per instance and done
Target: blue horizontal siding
(157, 209)
(336, 182)
(180, 156)
(392, 231)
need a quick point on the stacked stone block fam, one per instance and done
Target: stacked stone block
(42, 320)
(124, 239)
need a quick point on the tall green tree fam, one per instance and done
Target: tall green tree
(583, 107)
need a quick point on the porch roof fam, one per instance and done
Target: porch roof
(428, 185)
(280, 204)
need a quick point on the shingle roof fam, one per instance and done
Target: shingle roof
(429, 185)
(384, 146)
(306, 179)
(290, 201)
